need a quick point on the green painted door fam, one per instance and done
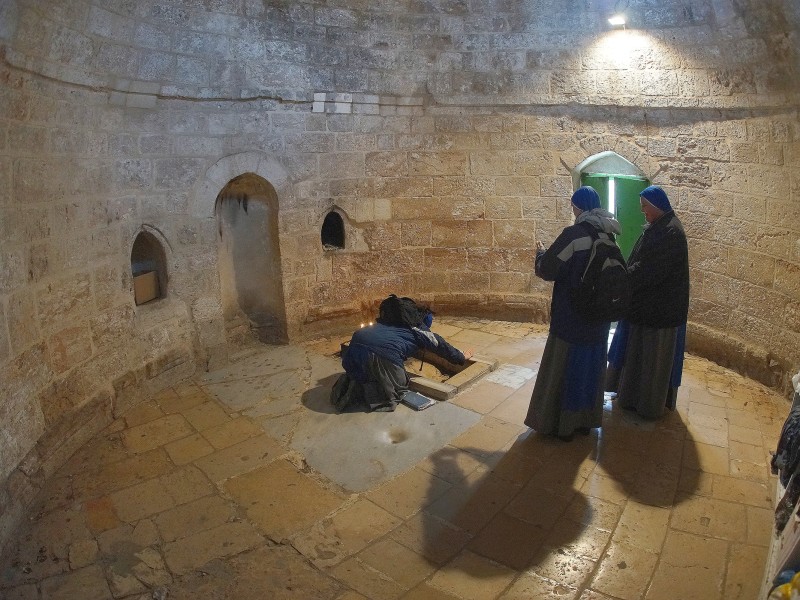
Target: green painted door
(625, 190)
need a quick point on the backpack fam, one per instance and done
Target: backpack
(401, 312)
(604, 292)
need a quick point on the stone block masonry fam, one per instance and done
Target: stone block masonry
(366, 104)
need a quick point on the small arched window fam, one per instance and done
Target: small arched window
(149, 268)
(333, 231)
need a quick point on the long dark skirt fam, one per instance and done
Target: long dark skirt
(381, 392)
(645, 369)
(568, 393)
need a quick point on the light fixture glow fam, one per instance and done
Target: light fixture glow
(617, 20)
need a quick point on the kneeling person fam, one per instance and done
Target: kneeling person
(374, 362)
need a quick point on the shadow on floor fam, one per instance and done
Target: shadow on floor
(654, 462)
(550, 507)
(318, 399)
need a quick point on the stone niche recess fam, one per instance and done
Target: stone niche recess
(332, 232)
(250, 259)
(148, 268)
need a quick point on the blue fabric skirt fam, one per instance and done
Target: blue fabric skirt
(645, 367)
(568, 393)
(619, 345)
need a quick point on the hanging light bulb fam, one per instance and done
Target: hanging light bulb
(617, 20)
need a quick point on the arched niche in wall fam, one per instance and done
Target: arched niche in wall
(332, 233)
(250, 259)
(618, 182)
(148, 268)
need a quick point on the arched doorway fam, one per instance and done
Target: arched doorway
(618, 182)
(250, 261)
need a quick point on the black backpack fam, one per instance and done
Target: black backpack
(401, 312)
(604, 293)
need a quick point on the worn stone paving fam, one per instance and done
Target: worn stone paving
(208, 490)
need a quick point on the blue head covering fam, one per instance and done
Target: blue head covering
(428, 320)
(657, 197)
(586, 198)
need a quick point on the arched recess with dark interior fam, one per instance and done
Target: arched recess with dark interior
(332, 232)
(148, 268)
(250, 260)
(618, 182)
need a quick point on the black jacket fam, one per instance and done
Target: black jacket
(659, 275)
(564, 263)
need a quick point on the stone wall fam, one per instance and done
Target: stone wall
(444, 132)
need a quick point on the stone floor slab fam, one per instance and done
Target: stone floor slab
(194, 551)
(377, 446)
(281, 500)
(267, 572)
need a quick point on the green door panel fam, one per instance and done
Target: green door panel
(627, 210)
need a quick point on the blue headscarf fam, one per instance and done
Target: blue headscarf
(586, 198)
(657, 197)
